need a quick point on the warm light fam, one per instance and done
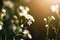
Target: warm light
(29, 35)
(58, 14)
(54, 8)
(54, 1)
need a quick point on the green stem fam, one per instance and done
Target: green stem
(47, 33)
(5, 37)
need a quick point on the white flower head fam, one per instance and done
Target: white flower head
(14, 27)
(29, 22)
(27, 9)
(3, 10)
(21, 14)
(29, 35)
(25, 31)
(24, 12)
(1, 23)
(21, 39)
(8, 3)
(32, 19)
(0, 27)
(20, 29)
(21, 7)
(53, 17)
(27, 16)
(3, 14)
(45, 19)
(15, 17)
(22, 25)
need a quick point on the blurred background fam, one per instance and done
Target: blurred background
(41, 9)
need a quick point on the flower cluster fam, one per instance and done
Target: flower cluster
(48, 20)
(18, 19)
(24, 12)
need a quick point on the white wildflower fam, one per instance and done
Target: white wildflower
(21, 39)
(27, 16)
(21, 14)
(21, 7)
(25, 31)
(27, 9)
(8, 3)
(0, 27)
(29, 22)
(3, 14)
(29, 35)
(1, 23)
(3, 10)
(14, 27)
(45, 19)
(22, 25)
(15, 17)
(46, 25)
(32, 19)
(53, 17)
(24, 12)
(20, 29)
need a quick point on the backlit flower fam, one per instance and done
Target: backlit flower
(25, 31)
(0, 27)
(27, 9)
(8, 3)
(20, 29)
(3, 10)
(21, 7)
(45, 19)
(46, 25)
(1, 23)
(21, 39)
(53, 17)
(29, 22)
(14, 27)
(21, 14)
(29, 35)
(22, 25)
